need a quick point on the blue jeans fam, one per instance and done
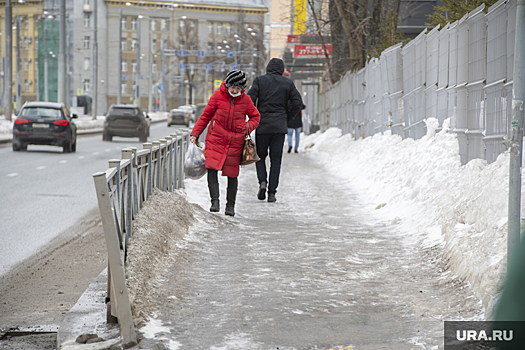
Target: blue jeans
(297, 137)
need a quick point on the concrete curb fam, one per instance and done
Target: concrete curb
(88, 316)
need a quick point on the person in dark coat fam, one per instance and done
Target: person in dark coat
(226, 113)
(295, 126)
(271, 94)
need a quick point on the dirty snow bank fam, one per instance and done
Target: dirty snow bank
(459, 211)
(158, 229)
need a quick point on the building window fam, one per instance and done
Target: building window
(26, 85)
(124, 23)
(153, 24)
(27, 41)
(124, 66)
(134, 44)
(219, 28)
(134, 22)
(86, 42)
(26, 22)
(154, 45)
(228, 28)
(87, 2)
(86, 85)
(87, 20)
(123, 44)
(134, 66)
(154, 67)
(87, 63)
(163, 24)
(124, 88)
(26, 64)
(193, 26)
(210, 27)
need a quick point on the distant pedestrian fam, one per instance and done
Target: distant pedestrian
(271, 93)
(295, 126)
(226, 113)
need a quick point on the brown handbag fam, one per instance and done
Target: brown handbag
(249, 151)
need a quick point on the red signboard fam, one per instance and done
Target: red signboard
(294, 38)
(311, 51)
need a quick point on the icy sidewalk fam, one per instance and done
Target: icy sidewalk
(313, 271)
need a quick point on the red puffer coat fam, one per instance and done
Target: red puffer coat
(225, 138)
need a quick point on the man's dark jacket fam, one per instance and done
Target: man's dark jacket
(270, 93)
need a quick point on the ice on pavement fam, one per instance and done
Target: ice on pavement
(422, 186)
(457, 211)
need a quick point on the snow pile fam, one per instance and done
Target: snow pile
(460, 211)
(158, 229)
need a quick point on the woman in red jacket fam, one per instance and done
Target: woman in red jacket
(226, 115)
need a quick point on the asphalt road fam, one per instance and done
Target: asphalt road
(44, 191)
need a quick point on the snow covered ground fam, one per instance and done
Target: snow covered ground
(421, 186)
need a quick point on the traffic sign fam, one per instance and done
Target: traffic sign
(182, 53)
(141, 77)
(234, 66)
(124, 77)
(161, 87)
(217, 83)
(200, 53)
(229, 54)
(208, 66)
(182, 66)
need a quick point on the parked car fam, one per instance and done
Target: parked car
(191, 109)
(126, 121)
(45, 123)
(178, 116)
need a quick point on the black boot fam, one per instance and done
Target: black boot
(214, 194)
(231, 195)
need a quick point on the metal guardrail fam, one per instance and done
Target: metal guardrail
(121, 191)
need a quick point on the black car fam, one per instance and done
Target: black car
(126, 121)
(45, 123)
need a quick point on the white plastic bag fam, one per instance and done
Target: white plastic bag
(194, 162)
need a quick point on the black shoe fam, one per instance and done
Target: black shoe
(296, 151)
(214, 195)
(231, 195)
(229, 211)
(262, 191)
(215, 206)
(271, 197)
(289, 149)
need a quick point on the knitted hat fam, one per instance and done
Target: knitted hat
(236, 78)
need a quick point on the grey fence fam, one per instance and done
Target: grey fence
(463, 71)
(121, 191)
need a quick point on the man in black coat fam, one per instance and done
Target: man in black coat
(271, 94)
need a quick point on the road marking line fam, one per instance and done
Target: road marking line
(63, 161)
(40, 167)
(81, 157)
(12, 175)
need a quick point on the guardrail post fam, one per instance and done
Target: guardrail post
(180, 156)
(119, 292)
(156, 144)
(169, 161)
(149, 146)
(135, 196)
(128, 154)
(164, 148)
